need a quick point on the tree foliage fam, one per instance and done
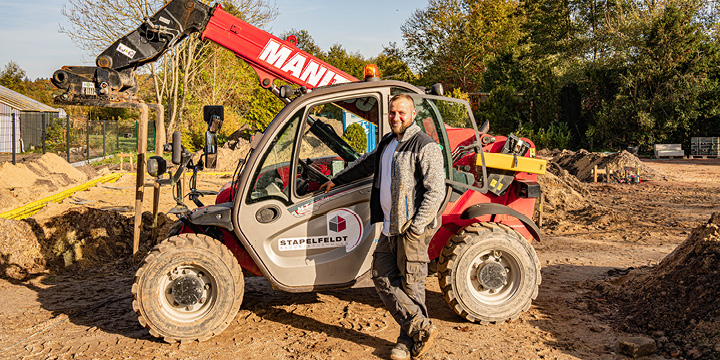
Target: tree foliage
(175, 74)
(13, 77)
(355, 136)
(602, 74)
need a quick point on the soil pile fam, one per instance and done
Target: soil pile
(562, 192)
(677, 301)
(566, 203)
(78, 239)
(34, 178)
(582, 163)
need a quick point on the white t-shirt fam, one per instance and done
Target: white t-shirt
(386, 183)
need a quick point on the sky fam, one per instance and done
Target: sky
(29, 31)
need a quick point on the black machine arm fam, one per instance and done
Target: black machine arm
(113, 77)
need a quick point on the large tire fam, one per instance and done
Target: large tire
(189, 287)
(489, 273)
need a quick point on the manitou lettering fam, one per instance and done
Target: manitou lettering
(275, 53)
(313, 73)
(309, 71)
(295, 65)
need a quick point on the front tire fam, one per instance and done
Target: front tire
(489, 273)
(189, 287)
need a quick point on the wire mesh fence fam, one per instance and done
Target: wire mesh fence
(74, 138)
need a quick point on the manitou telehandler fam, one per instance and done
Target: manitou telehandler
(272, 221)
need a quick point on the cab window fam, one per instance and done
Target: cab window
(272, 178)
(334, 134)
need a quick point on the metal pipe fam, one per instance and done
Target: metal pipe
(103, 131)
(87, 137)
(13, 138)
(159, 142)
(67, 136)
(117, 134)
(140, 176)
(43, 134)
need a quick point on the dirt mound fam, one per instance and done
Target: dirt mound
(566, 205)
(562, 193)
(78, 239)
(34, 178)
(582, 162)
(677, 301)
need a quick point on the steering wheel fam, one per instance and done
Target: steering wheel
(310, 172)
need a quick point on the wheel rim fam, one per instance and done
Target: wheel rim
(189, 293)
(494, 277)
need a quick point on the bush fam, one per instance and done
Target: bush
(556, 136)
(355, 136)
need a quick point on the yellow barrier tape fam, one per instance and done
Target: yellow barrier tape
(30, 209)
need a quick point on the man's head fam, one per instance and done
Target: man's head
(402, 113)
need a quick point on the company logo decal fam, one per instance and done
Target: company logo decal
(344, 229)
(126, 51)
(293, 62)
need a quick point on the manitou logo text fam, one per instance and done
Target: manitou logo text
(344, 229)
(293, 62)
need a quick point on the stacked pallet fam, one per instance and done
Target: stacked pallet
(705, 147)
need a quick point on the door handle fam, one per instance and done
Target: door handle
(267, 214)
(364, 191)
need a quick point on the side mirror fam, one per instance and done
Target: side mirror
(176, 148)
(485, 127)
(156, 166)
(436, 89)
(214, 115)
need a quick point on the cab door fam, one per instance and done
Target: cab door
(302, 238)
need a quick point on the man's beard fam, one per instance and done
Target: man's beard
(402, 129)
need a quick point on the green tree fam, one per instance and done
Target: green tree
(355, 136)
(660, 92)
(13, 77)
(451, 41)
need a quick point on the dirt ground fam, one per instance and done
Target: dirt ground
(78, 305)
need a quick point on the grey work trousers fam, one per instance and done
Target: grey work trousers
(399, 270)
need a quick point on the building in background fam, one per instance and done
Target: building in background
(31, 120)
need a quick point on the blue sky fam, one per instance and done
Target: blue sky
(29, 30)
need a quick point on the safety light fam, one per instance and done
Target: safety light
(371, 72)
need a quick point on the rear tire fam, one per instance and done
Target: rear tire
(189, 287)
(489, 273)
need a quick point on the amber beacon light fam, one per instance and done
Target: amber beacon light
(371, 72)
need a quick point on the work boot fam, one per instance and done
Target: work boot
(423, 340)
(400, 351)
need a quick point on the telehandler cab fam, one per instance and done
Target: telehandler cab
(272, 221)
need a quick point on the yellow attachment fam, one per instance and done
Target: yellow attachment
(508, 162)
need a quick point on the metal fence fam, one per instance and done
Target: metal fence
(75, 138)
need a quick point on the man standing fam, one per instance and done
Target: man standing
(408, 189)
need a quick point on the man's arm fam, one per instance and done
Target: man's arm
(362, 167)
(430, 162)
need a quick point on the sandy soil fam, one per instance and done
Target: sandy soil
(75, 310)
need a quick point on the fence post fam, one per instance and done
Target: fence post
(43, 134)
(87, 137)
(103, 129)
(67, 135)
(136, 136)
(117, 134)
(13, 137)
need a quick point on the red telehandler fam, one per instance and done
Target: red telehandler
(272, 221)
